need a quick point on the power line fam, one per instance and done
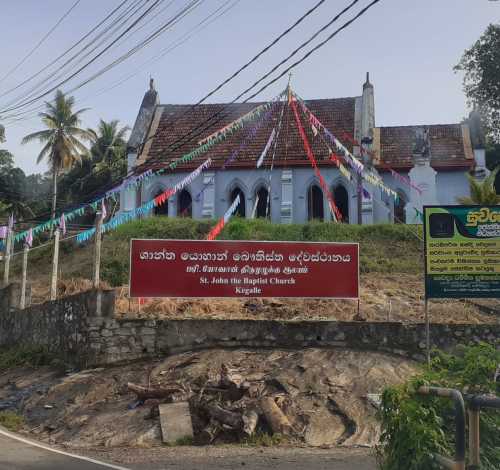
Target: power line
(59, 73)
(212, 17)
(308, 54)
(74, 74)
(40, 42)
(67, 50)
(56, 74)
(181, 141)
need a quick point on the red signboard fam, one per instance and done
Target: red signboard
(189, 268)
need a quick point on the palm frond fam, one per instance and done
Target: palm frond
(41, 136)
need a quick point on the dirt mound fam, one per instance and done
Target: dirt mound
(326, 395)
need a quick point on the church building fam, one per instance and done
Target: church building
(423, 165)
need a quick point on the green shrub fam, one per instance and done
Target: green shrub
(115, 271)
(25, 356)
(414, 426)
(10, 420)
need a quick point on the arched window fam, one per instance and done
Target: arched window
(399, 208)
(262, 199)
(240, 211)
(163, 209)
(497, 183)
(184, 204)
(341, 197)
(315, 209)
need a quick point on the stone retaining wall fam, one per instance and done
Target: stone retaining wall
(83, 327)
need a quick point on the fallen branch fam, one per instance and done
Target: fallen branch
(145, 393)
(229, 418)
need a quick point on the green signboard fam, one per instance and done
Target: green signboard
(462, 251)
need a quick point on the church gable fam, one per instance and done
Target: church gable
(450, 146)
(167, 142)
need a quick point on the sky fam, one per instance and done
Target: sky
(409, 47)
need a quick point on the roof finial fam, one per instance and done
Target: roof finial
(367, 83)
(151, 83)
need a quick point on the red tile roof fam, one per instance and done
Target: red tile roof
(450, 148)
(177, 120)
(450, 144)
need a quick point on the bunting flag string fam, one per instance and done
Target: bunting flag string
(145, 208)
(248, 138)
(373, 155)
(405, 180)
(29, 238)
(266, 148)
(337, 216)
(135, 180)
(223, 220)
(316, 123)
(419, 215)
(62, 224)
(366, 175)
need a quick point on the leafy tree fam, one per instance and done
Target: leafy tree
(482, 193)
(2, 134)
(481, 66)
(62, 139)
(108, 142)
(107, 163)
(414, 426)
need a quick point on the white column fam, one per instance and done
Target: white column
(286, 211)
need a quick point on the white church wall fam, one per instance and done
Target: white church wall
(451, 185)
(249, 181)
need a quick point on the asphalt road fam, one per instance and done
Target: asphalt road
(17, 455)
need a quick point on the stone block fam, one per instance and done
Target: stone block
(147, 331)
(175, 422)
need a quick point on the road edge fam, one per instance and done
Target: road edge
(13, 436)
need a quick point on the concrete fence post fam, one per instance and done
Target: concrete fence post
(8, 249)
(55, 263)
(22, 303)
(97, 252)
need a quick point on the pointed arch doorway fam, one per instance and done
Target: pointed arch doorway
(315, 207)
(241, 209)
(184, 204)
(341, 197)
(262, 209)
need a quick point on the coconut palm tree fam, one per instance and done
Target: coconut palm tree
(108, 142)
(482, 193)
(62, 138)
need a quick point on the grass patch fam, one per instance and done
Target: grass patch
(32, 356)
(263, 439)
(11, 421)
(384, 248)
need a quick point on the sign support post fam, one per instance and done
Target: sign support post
(427, 333)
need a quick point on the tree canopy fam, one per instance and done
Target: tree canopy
(481, 66)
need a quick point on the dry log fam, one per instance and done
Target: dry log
(275, 417)
(143, 393)
(209, 433)
(250, 419)
(230, 418)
